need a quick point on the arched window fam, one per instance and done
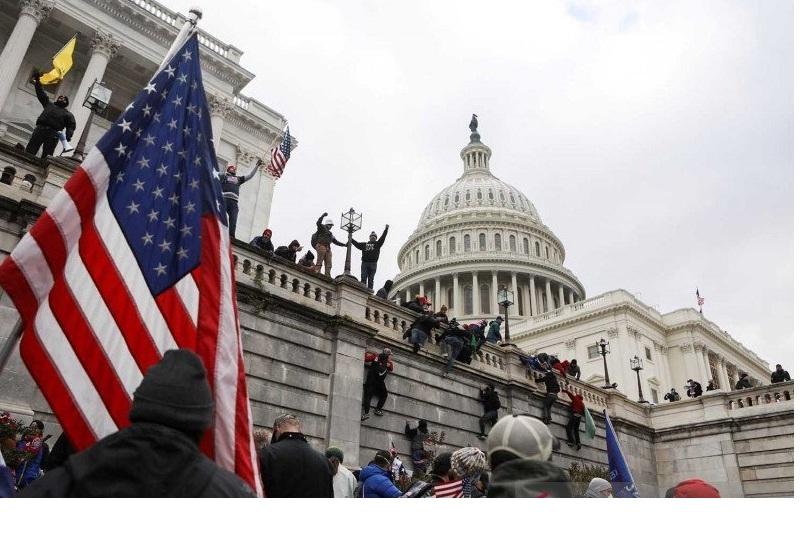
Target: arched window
(468, 299)
(502, 197)
(427, 252)
(438, 248)
(452, 245)
(512, 243)
(498, 241)
(486, 304)
(513, 199)
(547, 251)
(480, 195)
(526, 246)
(446, 201)
(455, 201)
(482, 242)
(469, 196)
(467, 243)
(491, 195)
(417, 254)
(538, 250)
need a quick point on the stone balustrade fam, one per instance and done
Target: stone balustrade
(758, 396)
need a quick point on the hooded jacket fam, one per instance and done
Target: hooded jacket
(231, 184)
(550, 382)
(141, 461)
(494, 331)
(371, 251)
(324, 235)
(383, 292)
(377, 483)
(529, 478)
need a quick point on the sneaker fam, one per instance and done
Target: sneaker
(577, 447)
(481, 436)
(379, 412)
(364, 416)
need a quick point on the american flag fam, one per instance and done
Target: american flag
(451, 489)
(280, 156)
(700, 300)
(132, 258)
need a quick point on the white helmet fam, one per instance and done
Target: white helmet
(327, 222)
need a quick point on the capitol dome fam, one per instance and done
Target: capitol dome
(478, 235)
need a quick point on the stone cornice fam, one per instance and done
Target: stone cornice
(104, 43)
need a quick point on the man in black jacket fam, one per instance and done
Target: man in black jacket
(230, 193)
(370, 252)
(744, 382)
(672, 396)
(264, 241)
(157, 456)
(552, 388)
(378, 369)
(384, 291)
(780, 375)
(290, 467)
(289, 252)
(54, 118)
(491, 406)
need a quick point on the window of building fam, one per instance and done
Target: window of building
(446, 201)
(594, 351)
(467, 243)
(654, 394)
(511, 197)
(526, 246)
(452, 246)
(491, 195)
(547, 252)
(512, 243)
(648, 354)
(538, 250)
(427, 252)
(469, 196)
(480, 195)
(450, 298)
(482, 242)
(498, 241)
(456, 199)
(486, 303)
(438, 248)
(417, 254)
(502, 197)
(468, 300)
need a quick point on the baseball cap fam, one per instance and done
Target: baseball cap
(519, 437)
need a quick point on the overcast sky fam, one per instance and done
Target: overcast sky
(655, 138)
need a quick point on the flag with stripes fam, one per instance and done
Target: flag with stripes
(132, 258)
(280, 156)
(700, 300)
(450, 489)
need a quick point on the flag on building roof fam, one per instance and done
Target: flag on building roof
(62, 63)
(280, 156)
(133, 258)
(700, 301)
(620, 474)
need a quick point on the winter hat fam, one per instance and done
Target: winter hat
(267, 233)
(382, 457)
(519, 437)
(334, 452)
(175, 393)
(328, 222)
(693, 488)
(373, 234)
(468, 462)
(595, 488)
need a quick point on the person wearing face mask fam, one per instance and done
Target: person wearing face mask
(54, 118)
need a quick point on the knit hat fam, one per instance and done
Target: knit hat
(334, 452)
(693, 488)
(519, 437)
(595, 488)
(175, 393)
(382, 457)
(468, 461)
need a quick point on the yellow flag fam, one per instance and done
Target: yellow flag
(62, 62)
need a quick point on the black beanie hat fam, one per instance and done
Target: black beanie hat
(175, 393)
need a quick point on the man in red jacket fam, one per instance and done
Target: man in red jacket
(574, 424)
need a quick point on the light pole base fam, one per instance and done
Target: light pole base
(643, 401)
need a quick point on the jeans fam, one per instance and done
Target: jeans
(44, 138)
(454, 346)
(549, 400)
(324, 255)
(368, 273)
(374, 389)
(488, 417)
(418, 337)
(573, 436)
(232, 208)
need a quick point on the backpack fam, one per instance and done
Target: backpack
(314, 239)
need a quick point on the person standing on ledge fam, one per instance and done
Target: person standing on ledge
(494, 336)
(54, 118)
(321, 241)
(370, 252)
(780, 375)
(230, 192)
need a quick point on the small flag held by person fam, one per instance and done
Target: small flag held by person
(280, 156)
(589, 428)
(700, 301)
(62, 63)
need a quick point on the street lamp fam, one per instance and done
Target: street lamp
(351, 222)
(97, 100)
(636, 366)
(506, 299)
(604, 350)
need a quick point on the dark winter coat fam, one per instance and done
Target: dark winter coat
(291, 468)
(417, 438)
(324, 235)
(383, 292)
(494, 332)
(574, 371)
(780, 376)
(141, 461)
(371, 251)
(550, 382)
(377, 483)
(743, 383)
(264, 243)
(528, 478)
(286, 253)
(232, 183)
(490, 401)
(54, 117)
(413, 305)
(425, 323)
(377, 371)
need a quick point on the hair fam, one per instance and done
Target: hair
(39, 424)
(442, 464)
(283, 420)
(336, 453)
(423, 425)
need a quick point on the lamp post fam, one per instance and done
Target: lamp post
(97, 99)
(351, 222)
(636, 366)
(602, 346)
(506, 299)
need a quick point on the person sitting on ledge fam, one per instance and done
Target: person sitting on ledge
(672, 396)
(264, 241)
(694, 389)
(494, 336)
(307, 262)
(712, 386)
(574, 371)
(289, 252)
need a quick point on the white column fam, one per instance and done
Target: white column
(516, 310)
(422, 289)
(408, 295)
(104, 48)
(549, 296)
(476, 295)
(723, 383)
(456, 298)
(32, 13)
(560, 295)
(534, 298)
(571, 297)
(493, 297)
(220, 108)
(437, 295)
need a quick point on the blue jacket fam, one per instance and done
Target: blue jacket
(29, 471)
(378, 483)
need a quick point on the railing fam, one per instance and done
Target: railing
(241, 102)
(766, 395)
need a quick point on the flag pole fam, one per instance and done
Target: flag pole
(190, 26)
(8, 346)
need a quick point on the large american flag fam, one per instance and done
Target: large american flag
(280, 156)
(132, 258)
(700, 300)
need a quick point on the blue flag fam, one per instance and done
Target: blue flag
(621, 477)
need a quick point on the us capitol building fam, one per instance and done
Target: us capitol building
(481, 234)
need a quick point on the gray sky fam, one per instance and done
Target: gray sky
(655, 138)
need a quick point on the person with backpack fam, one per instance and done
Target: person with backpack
(491, 407)
(375, 385)
(370, 252)
(454, 339)
(321, 241)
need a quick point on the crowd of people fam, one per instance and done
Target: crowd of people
(694, 389)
